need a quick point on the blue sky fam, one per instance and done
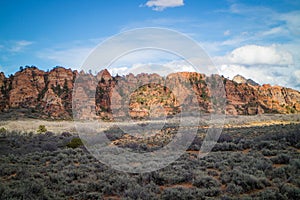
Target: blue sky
(257, 39)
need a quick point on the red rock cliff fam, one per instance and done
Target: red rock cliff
(49, 94)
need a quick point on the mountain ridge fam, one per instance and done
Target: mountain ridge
(32, 92)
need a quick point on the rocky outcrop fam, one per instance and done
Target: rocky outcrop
(244, 98)
(51, 94)
(4, 89)
(56, 97)
(26, 85)
(240, 79)
(43, 94)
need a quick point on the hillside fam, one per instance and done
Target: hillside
(35, 93)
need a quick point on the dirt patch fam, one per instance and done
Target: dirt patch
(47, 163)
(193, 152)
(245, 151)
(278, 165)
(223, 187)
(183, 185)
(9, 177)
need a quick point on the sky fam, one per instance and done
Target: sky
(254, 38)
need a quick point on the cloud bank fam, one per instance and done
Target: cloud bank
(264, 64)
(251, 55)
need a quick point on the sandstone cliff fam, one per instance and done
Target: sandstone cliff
(41, 94)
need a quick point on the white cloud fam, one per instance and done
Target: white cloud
(234, 41)
(275, 31)
(260, 74)
(250, 55)
(292, 20)
(290, 77)
(14, 46)
(151, 61)
(243, 9)
(162, 68)
(297, 74)
(180, 66)
(118, 70)
(227, 32)
(19, 45)
(160, 5)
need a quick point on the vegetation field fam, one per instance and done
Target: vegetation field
(257, 162)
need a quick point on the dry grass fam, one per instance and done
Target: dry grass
(31, 125)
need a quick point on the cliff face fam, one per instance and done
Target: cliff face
(3, 92)
(42, 94)
(25, 88)
(49, 94)
(248, 99)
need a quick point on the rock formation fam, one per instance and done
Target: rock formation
(240, 79)
(50, 94)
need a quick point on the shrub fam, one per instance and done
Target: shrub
(114, 133)
(42, 129)
(268, 194)
(296, 163)
(246, 181)
(205, 182)
(211, 192)
(234, 189)
(267, 152)
(290, 191)
(225, 138)
(66, 134)
(265, 145)
(279, 174)
(49, 134)
(3, 130)
(91, 195)
(226, 146)
(75, 143)
(281, 159)
(179, 193)
(138, 192)
(49, 146)
(171, 177)
(263, 164)
(212, 173)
